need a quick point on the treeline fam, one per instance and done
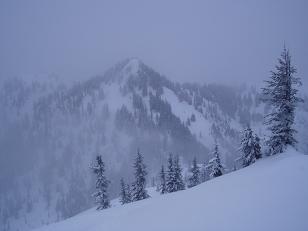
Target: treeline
(171, 179)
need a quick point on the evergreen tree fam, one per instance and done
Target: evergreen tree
(125, 194)
(281, 93)
(215, 167)
(162, 186)
(138, 191)
(257, 147)
(194, 179)
(204, 172)
(175, 180)
(170, 175)
(129, 193)
(250, 147)
(101, 195)
(178, 177)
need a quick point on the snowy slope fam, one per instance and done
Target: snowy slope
(270, 195)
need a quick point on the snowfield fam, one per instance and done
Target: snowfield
(272, 194)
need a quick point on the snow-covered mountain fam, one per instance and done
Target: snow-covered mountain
(50, 133)
(269, 195)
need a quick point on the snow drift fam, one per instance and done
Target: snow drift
(269, 195)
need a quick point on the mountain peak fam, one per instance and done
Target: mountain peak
(123, 70)
(132, 65)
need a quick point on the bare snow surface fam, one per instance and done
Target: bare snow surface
(269, 195)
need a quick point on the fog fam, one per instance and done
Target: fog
(174, 84)
(202, 41)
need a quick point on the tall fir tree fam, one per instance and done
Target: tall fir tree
(125, 194)
(195, 178)
(178, 177)
(162, 185)
(257, 147)
(204, 175)
(138, 188)
(129, 193)
(101, 195)
(170, 183)
(281, 94)
(215, 167)
(175, 180)
(250, 147)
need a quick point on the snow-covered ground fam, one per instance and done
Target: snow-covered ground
(269, 195)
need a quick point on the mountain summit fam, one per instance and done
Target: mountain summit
(123, 70)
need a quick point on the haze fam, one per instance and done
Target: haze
(202, 41)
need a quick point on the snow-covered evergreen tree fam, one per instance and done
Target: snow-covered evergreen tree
(178, 177)
(129, 193)
(204, 172)
(257, 147)
(170, 183)
(162, 185)
(175, 180)
(250, 147)
(138, 191)
(125, 194)
(281, 94)
(194, 179)
(101, 195)
(215, 167)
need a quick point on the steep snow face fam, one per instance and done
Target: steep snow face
(269, 195)
(198, 124)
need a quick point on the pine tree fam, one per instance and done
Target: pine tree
(162, 186)
(175, 180)
(170, 175)
(138, 191)
(101, 195)
(204, 172)
(178, 177)
(280, 93)
(250, 147)
(125, 194)
(194, 179)
(215, 167)
(129, 193)
(257, 147)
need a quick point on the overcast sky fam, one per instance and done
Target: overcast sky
(203, 41)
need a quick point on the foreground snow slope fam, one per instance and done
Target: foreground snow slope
(270, 195)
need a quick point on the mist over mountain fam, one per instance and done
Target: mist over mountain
(51, 131)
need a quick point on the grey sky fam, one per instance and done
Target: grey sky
(203, 41)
